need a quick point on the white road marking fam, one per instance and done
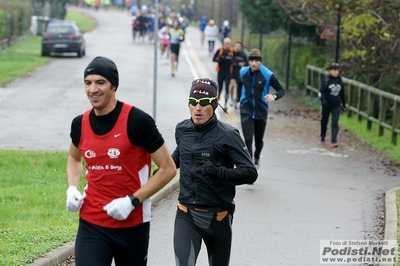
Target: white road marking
(318, 151)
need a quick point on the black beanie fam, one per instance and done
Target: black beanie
(204, 88)
(104, 67)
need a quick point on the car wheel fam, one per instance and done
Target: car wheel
(45, 53)
(80, 53)
(84, 52)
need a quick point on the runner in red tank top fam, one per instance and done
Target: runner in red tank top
(117, 142)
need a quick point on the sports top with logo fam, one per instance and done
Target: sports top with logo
(115, 168)
(332, 91)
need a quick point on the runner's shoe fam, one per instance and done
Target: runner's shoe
(334, 145)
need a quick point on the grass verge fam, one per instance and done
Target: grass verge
(84, 22)
(381, 143)
(20, 59)
(34, 219)
(24, 56)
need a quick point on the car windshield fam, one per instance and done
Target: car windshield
(60, 30)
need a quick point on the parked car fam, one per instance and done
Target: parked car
(63, 37)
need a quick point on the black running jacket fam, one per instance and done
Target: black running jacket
(221, 144)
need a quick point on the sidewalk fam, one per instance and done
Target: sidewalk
(304, 193)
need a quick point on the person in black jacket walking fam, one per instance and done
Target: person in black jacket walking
(213, 159)
(333, 101)
(254, 85)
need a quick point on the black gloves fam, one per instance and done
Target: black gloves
(344, 108)
(209, 169)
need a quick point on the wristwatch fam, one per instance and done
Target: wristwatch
(275, 96)
(135, 201)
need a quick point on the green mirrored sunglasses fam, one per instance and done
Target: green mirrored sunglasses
(202, 101)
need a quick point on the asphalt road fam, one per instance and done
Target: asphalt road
(305, 193)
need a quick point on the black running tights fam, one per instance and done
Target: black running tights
(191, 228)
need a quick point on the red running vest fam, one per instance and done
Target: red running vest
(114, 169)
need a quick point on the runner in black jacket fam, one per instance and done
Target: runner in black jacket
(224, 57)
(333, 101)
(207, 153)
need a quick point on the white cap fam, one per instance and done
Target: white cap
(226, 23)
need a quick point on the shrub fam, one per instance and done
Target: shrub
(15, 18)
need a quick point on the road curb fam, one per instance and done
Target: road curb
(390, 217)
(61, 254)
(391, 214)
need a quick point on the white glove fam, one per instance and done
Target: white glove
(119, 208)
(74, 199)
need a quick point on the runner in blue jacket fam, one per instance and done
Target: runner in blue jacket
(254, 85)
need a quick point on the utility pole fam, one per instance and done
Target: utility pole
(338, 35)
(261, 35)
(288, 56)
(242, 33)
(231, 5)
(212, 10)
(221, 4)
(261, 24)
(155, 60)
